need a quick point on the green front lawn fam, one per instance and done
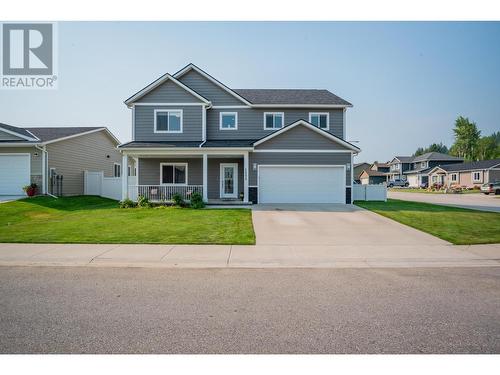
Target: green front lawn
(456, 225)
(91, 219)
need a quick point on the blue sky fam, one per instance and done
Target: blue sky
(408, 81)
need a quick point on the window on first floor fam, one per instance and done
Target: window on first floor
(454, 177)
(228, 121)
(173, 173)
(476, 176)
(117, 170)
(273, 120)
(168, 121)
(321, 120)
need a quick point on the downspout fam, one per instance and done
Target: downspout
(44, 168)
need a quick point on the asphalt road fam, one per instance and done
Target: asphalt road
(113, 310)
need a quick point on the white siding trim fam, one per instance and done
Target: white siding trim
(168, 104)
(19, 135)
(306, 151)
(84, 133)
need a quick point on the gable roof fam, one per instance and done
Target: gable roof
(469, 166)
(191, 66)
(19, 132)
(372, 173)
(435, 156)
(312, 127)
(402, 159)
(164, 78)
(47, 135)
(292, 97)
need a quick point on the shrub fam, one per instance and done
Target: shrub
(197, 201)
(127, 203)
(178, 200)
(143, 202)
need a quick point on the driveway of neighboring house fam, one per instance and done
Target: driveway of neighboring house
(324, 224)
(473, 201)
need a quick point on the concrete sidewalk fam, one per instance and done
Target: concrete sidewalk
(258, 256)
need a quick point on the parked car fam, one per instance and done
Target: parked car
(491, 187)
(401, 183)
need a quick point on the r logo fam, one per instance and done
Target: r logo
(27, 49)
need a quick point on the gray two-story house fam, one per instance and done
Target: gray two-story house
(191, 133)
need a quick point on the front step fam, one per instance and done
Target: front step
(228, 202)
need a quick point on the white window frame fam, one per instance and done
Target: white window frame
(454, 177)
(274, 114)
(173, 165)
(474, 179)
(119, 169)
(235, 120)
(156, 111)
(311, 114)
(423, 164)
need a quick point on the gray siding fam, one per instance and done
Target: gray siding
(209, 90)
(149, 170)
(493, 175)
(298, 159)
(87, 152)
(191, 124)
(301, 138)
(35, 162)
(251, 122)
(169, 92)
(8, 137)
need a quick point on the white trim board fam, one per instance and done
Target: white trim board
(84, 133)
(164, 78)
(312, 127)
(306, 151)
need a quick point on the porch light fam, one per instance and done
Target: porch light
(254, 166)
(348, 167)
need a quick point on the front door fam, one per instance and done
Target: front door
(229, 180)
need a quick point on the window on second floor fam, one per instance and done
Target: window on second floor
(168, 120)
(273, 120)
(228, 121)
(423, 164)
(321, 120)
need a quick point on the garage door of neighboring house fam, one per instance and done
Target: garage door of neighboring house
(14, 173)
(301, 184)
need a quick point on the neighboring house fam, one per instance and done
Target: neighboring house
(469, 174)
(422, 164)
(376, 174)
(398, 166)
(358, 169)
(33, 155)
(191, 133)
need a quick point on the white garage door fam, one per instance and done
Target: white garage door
(14, 173)
(301, 184)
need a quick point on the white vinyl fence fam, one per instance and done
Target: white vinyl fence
(94, 183)
(369, 192)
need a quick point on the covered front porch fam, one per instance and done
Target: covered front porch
(220, 176)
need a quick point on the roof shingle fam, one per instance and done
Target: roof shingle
(291, 96)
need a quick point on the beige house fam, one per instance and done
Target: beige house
(55, 158)
(468, 174)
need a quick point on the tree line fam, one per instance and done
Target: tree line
(468, 144)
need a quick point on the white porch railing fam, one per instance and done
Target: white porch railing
(163, 193)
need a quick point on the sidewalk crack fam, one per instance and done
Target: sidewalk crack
(229, 256)
(168, 252)
(104, 252)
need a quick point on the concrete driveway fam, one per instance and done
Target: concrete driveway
(473, 201)
(329, 224)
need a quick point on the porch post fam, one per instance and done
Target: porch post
(245, 177)
(205, 177)
(124, 176)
